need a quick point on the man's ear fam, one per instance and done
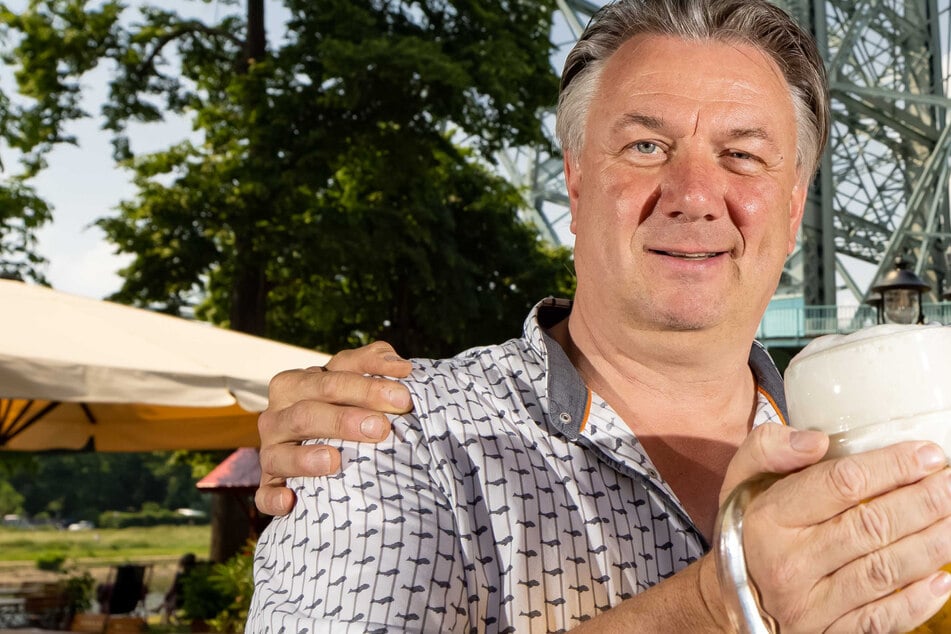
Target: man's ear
(797, 208)
(573, 183)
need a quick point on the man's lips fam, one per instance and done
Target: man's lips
(691, 255)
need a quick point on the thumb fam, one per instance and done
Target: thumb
(773, 448)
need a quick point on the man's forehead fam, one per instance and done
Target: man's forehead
(655, 54)
(659, 73)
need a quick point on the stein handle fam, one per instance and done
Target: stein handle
(740, 597)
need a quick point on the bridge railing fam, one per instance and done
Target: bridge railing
(807, 322)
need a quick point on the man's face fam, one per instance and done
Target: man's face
(685, 197)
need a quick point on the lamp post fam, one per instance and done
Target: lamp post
(875, 301)
(901, 292)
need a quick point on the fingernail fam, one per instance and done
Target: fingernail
(930, 456)
(804, 440)
(321, 461)
(397, 397)
(941, 584)
(393, 357)
(372, 427)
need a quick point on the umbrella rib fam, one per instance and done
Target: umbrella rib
(88, 413)
(18, 424)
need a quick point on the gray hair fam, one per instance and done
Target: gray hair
(754, 22)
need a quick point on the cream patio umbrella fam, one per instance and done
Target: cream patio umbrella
(78, 373)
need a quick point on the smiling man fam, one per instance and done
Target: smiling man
(571, 478)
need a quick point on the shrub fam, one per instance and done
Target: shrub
(52, 561)
(220, 594)
(146, 517)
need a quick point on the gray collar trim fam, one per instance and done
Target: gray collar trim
(569, 398)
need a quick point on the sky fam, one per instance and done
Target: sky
(83, 184)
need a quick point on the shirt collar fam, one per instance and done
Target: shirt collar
(569, 399)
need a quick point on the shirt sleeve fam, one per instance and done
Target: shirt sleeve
(371, 549)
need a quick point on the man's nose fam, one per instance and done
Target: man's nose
(693, 188)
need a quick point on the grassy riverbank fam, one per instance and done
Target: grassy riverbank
(97, 549)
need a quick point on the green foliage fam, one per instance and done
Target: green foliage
(120, 481)
(220, 593)
(10, 500)
(234, 579)
(52, 561)
(50, 46)
(341, 188)
(203, 598)
(145, 517)
(78, 590)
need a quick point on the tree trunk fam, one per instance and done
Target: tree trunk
(230, 527)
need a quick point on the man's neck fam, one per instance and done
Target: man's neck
(689, 399)
(673, 373)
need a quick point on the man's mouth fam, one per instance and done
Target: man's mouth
(689, 256)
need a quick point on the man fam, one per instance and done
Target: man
(571, 478)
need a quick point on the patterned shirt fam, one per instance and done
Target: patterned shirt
(512, 499)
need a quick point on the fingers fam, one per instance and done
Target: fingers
(834, 486)
(274, 499)
(836, 541)
(378, 357)
(881, 526)
(336, 401)
(346, 388)
(900, 611)
(880, 573)
(773, 449)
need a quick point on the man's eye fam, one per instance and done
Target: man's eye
(645, 147)
(745, 156)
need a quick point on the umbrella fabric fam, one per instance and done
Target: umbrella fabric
(81, 373)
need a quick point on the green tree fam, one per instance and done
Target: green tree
(342, 189)
(50, 48)
(10, 500)
(109, 481)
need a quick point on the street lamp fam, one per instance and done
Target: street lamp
(901, 292)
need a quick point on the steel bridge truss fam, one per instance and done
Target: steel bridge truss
(883, 186)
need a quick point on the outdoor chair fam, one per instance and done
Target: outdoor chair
(125, 625)
(88, 622)
(125, 589)
(107, 624)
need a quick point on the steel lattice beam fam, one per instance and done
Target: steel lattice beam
(882, 189)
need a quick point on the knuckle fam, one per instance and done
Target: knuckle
(296, 420)
(380, 347)
(873, 525)
(874, 620)
(340, 358)
(848, 479)
(784, 573)
(267, 461)
(281, 382)
(330, 386)
(937, 546)
(935, 498)
(760, 446)
(265, 425)
(880, 571)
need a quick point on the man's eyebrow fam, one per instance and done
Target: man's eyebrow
(751, 133)
(637, 119)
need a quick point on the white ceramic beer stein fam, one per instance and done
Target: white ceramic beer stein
(866, 390)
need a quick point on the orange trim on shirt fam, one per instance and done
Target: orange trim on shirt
(587, 410)
(776, 409)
